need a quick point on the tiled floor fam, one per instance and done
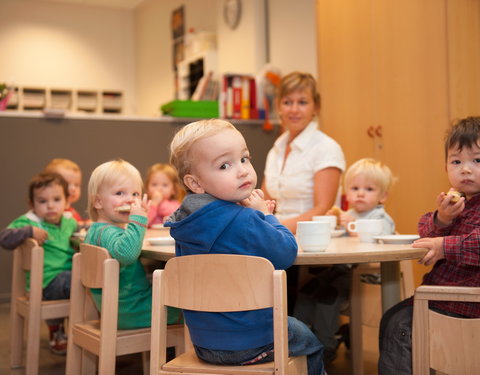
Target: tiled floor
(55, 365)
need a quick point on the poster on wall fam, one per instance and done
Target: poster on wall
(178, 36)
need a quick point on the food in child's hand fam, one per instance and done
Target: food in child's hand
(124, 208)
(456, 195)
(337, 212)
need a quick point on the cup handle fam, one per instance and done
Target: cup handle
(352, 226)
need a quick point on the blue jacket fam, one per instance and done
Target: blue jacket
(222, 227)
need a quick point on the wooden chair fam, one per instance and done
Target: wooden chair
(220, 283)
(366, 306)
(89, 337)
(440, 342)
(28, 310)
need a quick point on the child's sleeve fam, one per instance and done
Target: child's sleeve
(428, 228)
(10, 238)
(463, 249)
(267, 238)
(126, 245)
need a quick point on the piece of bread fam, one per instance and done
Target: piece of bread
(124, 208)
(336, 211)
(456, 195)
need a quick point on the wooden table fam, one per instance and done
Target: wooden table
(340, 251)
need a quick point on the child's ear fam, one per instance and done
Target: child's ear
(191, 181)
(97, 203)
(383, 197)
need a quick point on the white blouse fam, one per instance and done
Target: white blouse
(292, 187)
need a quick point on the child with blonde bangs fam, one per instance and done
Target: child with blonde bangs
(164, 191)
(213, 162)
(119, 215)
(367, 183)
(71, 172)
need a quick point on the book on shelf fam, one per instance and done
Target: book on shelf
(238, 99)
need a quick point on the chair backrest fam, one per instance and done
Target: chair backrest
(26, 249)
(95, 268)
(220, 283)
(444, 343)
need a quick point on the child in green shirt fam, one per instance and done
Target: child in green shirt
(119, 215)
(46, 223)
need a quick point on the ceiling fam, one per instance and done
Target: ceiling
(124, 4)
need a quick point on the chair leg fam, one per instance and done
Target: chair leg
(16, 338)
(89, 363)
(356, 339)
(33, 345)
(146, 363)
(74, 357)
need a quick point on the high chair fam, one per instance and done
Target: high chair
(89, 337)
(366, 305)
(220, 283)
(28, 309)
(440, 342)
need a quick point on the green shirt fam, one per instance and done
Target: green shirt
(58, 251)
(135, 290)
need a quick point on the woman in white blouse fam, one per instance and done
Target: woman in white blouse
(302, 174)
(304, 166)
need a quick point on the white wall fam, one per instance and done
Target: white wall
(154, 74)
(293, 35)
(67, 46)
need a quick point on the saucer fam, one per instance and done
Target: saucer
(338, 232)
(397, 238)
(161, 241)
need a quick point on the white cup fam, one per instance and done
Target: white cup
(366, 228)
(313, 235)
(332, 219)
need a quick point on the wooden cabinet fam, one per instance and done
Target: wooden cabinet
(393, 76)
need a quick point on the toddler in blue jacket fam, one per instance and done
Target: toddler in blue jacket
(213, 162)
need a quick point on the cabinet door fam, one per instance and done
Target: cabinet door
(383, 64)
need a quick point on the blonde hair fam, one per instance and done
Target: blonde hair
(54, 164)
(186, 137)
(372, 170)
(298, 81)
(107, 174)
(171, 173)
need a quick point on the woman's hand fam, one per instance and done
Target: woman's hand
(140, 207)
(447, 210)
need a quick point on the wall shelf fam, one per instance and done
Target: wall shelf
(71, 100)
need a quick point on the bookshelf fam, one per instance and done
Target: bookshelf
(191, 70)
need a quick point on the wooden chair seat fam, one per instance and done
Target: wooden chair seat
(220, 283)
(27, 310)
(188, 363)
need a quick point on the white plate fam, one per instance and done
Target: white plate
(157, 226)
(79, 234)
(338, 232)
(161, 241)
(397, 238)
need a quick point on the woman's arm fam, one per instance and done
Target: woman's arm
(325, 188)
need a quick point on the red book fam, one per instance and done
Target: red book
(237, 97)
(253, 99)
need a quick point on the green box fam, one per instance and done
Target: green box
(190, 108)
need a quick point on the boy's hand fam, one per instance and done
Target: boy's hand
(140, 207)
(39, 234)
(435, 249)
(256, 201)
(447, 210)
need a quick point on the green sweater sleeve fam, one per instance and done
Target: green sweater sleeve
(125, 245)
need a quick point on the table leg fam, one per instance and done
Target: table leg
(390, 284)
